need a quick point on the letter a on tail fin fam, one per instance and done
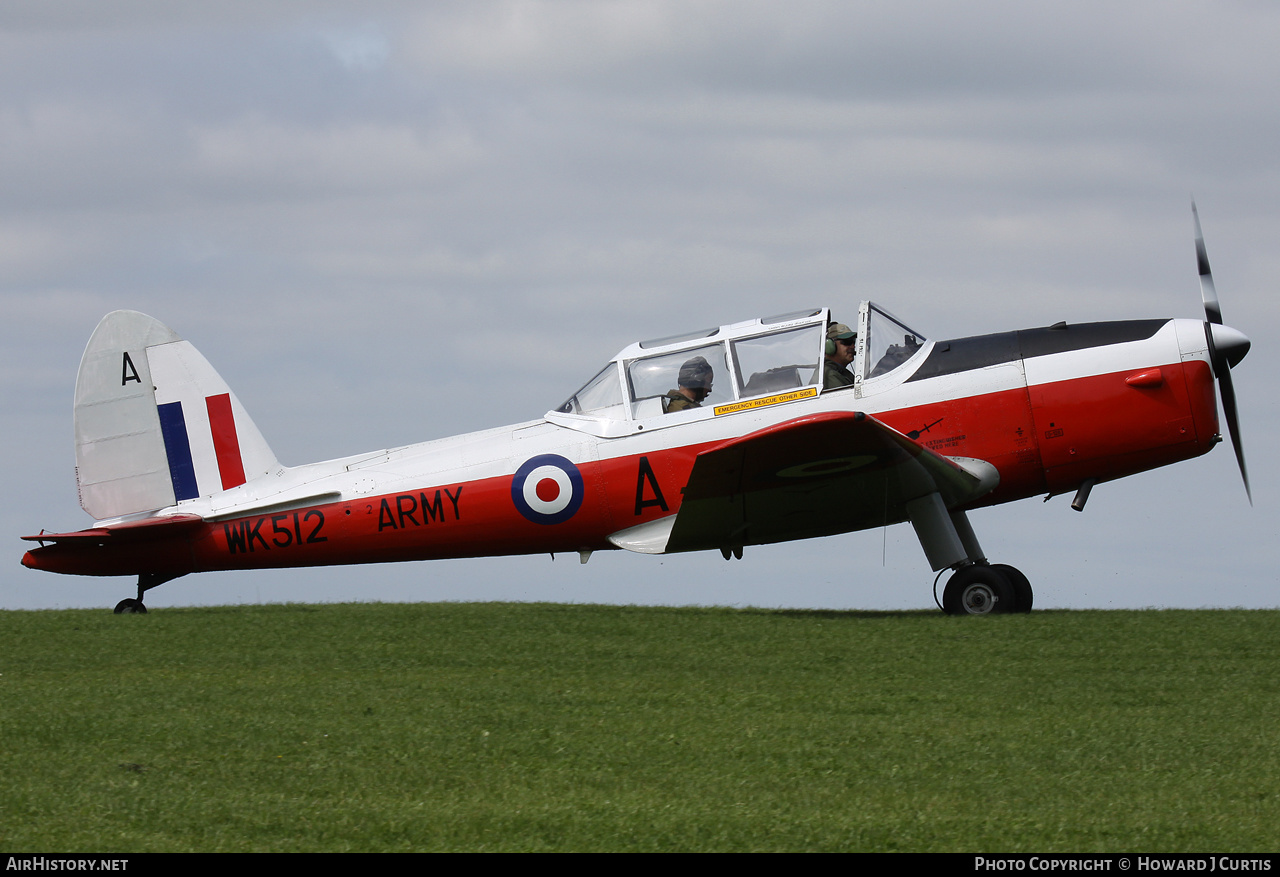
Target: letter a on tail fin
(155, 424)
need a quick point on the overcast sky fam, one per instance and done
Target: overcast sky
(389, 222)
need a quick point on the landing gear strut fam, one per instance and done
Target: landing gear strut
(976, 587)
(146, 581)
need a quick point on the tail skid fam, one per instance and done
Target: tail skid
(155, 424)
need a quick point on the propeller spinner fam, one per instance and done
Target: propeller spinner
(1227, 347)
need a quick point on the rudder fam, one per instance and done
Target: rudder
(155, 424)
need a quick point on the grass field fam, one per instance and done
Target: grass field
(546, 727)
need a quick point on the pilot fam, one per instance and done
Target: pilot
(695, 385)
(840, 343)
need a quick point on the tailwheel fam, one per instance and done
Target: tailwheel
(978, 590)
(146, 581)
(1022, 594)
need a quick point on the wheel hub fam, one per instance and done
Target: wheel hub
(979, 599)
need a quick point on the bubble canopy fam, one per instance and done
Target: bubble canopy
(708, 372)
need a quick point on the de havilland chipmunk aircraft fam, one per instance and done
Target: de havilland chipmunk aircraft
(746, 434)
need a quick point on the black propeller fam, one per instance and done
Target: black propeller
(1226, 348)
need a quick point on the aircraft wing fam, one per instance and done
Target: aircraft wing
(812, 476)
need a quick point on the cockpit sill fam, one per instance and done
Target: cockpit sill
(753, 364)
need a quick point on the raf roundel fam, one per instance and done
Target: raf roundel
(547, 489)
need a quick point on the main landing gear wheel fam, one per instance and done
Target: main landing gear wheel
(1022, 595)
(130, 606)
(978, 590)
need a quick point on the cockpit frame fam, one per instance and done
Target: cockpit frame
(773, 360)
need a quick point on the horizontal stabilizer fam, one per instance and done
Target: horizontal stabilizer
(153, 546)
(133, 530)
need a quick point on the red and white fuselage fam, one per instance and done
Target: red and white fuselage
(774, 453)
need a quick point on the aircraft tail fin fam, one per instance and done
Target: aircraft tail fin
(155, 424)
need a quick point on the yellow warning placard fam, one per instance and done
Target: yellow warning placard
(766, 401)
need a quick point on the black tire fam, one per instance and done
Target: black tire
(130, 607)
(1022, 593)
(977, 590)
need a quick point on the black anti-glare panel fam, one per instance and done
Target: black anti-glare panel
(979, 351)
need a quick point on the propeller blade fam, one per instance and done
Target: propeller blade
(1212, 312)
(1228, 393)
(1226, 347)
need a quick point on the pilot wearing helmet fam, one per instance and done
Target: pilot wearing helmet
(840, 346)
(694, 386)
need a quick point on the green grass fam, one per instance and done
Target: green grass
(544, 727)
